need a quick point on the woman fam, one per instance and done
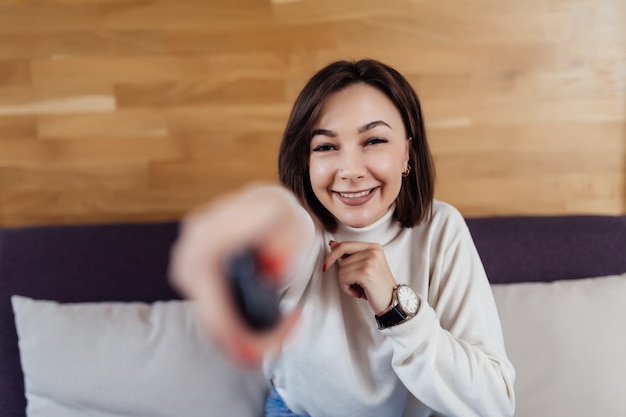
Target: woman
(392, 309)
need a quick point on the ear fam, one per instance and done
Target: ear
(407, 151)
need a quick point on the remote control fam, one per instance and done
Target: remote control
(254, 293)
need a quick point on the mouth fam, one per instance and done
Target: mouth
(357, 198)
(355, 195)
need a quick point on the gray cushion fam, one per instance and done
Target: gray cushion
(127, 359)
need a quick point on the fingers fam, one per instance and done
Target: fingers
(363, 272)
(259, 218)
(356, 291)
(343, 250)
(248, 349)
(267, 219)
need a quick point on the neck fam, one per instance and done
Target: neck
(382, 231)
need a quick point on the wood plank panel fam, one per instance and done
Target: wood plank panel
(26, 152)
(152, 69)
(302, 12)
(168, 15)
(219, 119)
(565, 85)
(531, 137)
(75, 176)
(182, 93)
(211, 156)
(252, 38)
(90, 205)
(510, 111)
(528, 164)
(569, 193)
(119, 110)
(121, 124)
(14, 72)
(18, 45)
(27, 17)
(55, 99)
(117, 69)
(18, 127)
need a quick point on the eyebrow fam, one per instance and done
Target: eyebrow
(362, 129)
(372, 125)
(324, 132)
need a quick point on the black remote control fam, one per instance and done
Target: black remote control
(254, 293)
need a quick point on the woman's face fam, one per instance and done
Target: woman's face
(359, 149)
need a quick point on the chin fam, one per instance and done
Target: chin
(357, 222)
(356, 225)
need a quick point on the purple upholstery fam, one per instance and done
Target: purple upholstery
(549, 248)
(128, 262)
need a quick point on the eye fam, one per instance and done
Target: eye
(375, 141)
(324, 148)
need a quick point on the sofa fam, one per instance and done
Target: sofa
(89, 325)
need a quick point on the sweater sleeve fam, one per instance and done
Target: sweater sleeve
(451, 355)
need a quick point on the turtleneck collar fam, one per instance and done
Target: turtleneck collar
(382, 231)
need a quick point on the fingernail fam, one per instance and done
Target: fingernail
(324, 268)
(272, 264)
(330, 242)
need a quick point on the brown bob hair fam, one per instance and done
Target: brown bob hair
(414, 202)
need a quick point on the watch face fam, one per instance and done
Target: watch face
(407, 299)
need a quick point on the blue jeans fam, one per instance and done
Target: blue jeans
(276, 407)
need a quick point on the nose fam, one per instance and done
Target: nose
(352, 165)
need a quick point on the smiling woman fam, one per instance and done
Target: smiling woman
(379, 105)
(359, 149)
(395, 316)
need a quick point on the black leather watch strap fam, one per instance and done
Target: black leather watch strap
(390, 318)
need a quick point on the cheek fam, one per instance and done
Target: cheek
(389, 171)
(389, 167)
(319, 174)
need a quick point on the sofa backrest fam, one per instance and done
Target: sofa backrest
(128, 262)
(550, 248)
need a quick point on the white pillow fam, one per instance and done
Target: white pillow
(127, 359)
(567, 341)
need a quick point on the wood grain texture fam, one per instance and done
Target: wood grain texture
(139, 110)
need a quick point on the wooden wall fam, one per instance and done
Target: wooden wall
(136, 110)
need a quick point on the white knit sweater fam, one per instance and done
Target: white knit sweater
(447, 360)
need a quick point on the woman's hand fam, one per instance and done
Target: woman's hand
(363, 272)
(265, 218)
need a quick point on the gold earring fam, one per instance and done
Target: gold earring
(406, 171)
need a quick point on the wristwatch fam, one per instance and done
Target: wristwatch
(404, 305)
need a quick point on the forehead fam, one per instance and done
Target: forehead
(356, 106)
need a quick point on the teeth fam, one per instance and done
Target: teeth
(355, 195)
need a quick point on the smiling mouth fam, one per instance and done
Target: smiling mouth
(356, 195)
